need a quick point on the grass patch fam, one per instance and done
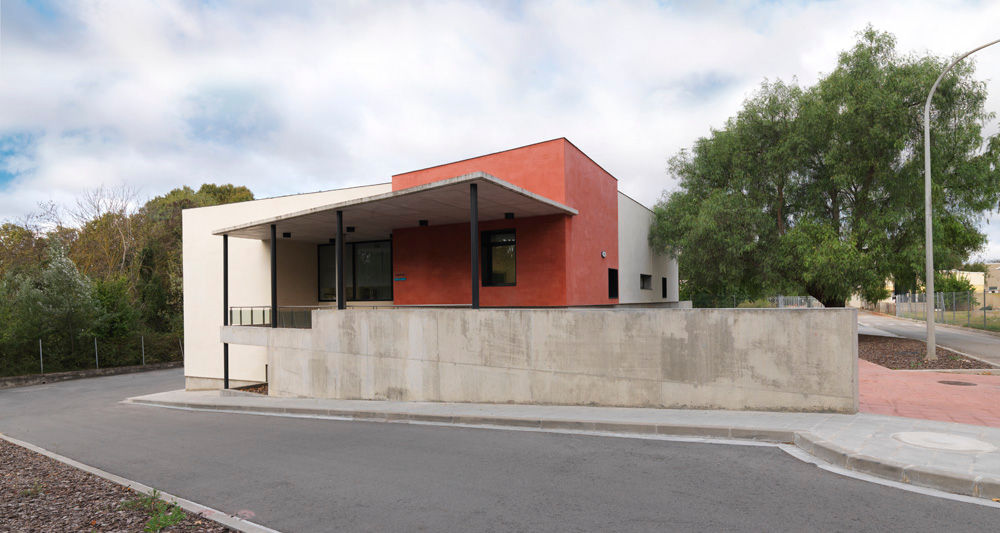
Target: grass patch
(161, 514)
(35, 490)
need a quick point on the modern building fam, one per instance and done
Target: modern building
(540, 226)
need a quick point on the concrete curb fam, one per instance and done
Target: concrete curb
(723, 432)
(829, 452)
(977, 486)
(214, 515)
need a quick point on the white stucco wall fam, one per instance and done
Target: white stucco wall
(249, 278)
(636, 257)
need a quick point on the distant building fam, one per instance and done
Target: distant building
(993, 278)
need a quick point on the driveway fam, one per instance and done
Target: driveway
(327, 475)
(982, 345)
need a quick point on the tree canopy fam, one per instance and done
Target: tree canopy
(113, 274)
(819, 190)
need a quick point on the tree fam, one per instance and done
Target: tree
(113, 274)
(820, 189)
(55, 304)
(951, 282)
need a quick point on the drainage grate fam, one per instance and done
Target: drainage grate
(958, 383)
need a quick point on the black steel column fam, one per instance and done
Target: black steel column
(225, 309)
(339, 247)
(274, 276)
(474, 241)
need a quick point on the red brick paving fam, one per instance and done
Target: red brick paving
(917, 394)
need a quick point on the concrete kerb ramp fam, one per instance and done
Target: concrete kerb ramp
(749, 359)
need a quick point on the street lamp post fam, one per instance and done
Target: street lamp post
(928, 232)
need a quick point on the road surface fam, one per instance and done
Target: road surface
(324, 475)
(982, 345)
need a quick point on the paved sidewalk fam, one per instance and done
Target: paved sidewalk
(968, 399)
(957, 458)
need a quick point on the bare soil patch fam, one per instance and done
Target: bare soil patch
(908, 354)
(41, 494)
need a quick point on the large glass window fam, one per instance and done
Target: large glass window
(327, 273)
(372, 261)
(373, 269)
(499, 258)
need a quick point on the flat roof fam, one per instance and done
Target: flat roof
(374, 217)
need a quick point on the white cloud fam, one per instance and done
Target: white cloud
(322, 95)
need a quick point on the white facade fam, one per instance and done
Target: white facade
(636, 258)
(249, 280)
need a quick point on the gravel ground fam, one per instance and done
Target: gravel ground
(908, 354)
(258, 389)
(41, 494)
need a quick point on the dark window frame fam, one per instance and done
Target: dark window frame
(354, 266)
(663, 285)
(486, 257)
(612, 283)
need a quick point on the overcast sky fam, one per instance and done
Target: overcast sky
(288, 97)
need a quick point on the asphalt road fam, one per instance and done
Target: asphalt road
(981, 345)
(321, 475)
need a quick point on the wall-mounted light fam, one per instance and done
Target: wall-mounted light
(603, 253)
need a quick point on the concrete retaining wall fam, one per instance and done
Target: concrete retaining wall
(766, 359)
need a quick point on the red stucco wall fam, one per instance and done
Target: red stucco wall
(558, 258)
(594, 193)
(538, 168)
(435, 262)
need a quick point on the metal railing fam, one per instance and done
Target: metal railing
(289, 316)
(735, 300)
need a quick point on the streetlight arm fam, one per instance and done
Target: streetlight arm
(928, 230)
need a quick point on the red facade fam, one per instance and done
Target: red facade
(559, 258)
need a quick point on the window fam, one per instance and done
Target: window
(327, 272)
(612, 283)
(663, 288)
(371, 260)
(499, 258)
(645, 282)
(372, 271)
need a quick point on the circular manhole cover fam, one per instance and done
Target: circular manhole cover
(958, 383)
(944, 441)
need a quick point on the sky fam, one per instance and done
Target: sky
(290, 97)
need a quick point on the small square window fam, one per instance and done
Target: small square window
(646, 282)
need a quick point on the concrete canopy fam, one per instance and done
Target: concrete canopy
(374, 217)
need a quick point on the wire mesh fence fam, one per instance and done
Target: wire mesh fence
(970, 309)
(48, 355)
(741, 301)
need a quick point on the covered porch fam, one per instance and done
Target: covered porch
(404, 249)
